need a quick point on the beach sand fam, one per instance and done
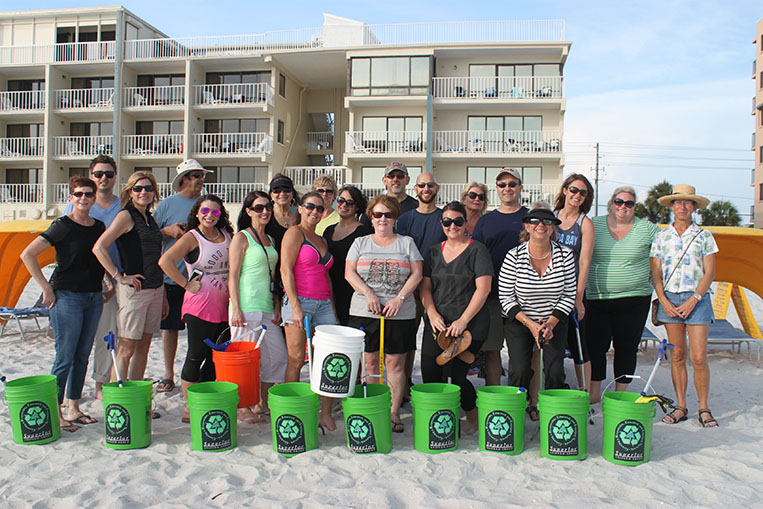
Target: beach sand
(689, 465)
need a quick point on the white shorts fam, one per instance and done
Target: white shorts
(272, 349)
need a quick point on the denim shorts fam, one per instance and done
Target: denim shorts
(321, 312)
(702, 314)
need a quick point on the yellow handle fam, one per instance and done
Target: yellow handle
(381, 348)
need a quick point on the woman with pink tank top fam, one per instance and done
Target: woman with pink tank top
(204, 247)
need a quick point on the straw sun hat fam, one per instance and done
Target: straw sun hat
(684, 192)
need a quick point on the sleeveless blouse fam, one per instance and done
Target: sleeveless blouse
(211, 301)
(141, 247)
(310, 272)
(572, 237)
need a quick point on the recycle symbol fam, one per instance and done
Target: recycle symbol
(35, 416)
(336, 367)
(630, 434)
(443, 424)
(359, 428)
(289, 428)
(498, 425)
(563, 429)
(115, 418)
(215, 425)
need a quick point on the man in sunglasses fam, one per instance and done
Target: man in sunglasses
(499, 231)
(171, 215)
(395, 179)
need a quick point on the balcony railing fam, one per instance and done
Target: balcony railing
(20, 148)
(22, 101)
(82, 146)
(173, 95)
(61, 52)
(229, 192)
(152, 144)
(233, 143)
(305, 175)
(320, 140)
(85, 98)
(370, 142)
(20, 193)
(452, 192)
(505, 87)
(234, 93)
(497, 142)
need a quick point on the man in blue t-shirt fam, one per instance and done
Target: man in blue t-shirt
(499, 230)
(171, 215)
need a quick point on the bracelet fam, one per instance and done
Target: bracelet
(186, 284)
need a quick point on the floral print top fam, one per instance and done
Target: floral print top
(668, 246)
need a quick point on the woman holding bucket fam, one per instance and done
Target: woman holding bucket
(683, 267)
(74, 294)
(458, 275)
(204, 247)
(384, 269)
(253, 301)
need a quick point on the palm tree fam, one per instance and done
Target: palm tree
(651, 209)
(720, 213)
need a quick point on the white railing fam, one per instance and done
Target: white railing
(173, 95)
(24, 100)
(512, 87)
(152, 144)
(61, 193)
(497, 142)
(369, 142)
(20, 193)
(85, 98)
(305, 175)
(19, 148)
(233, 143)
(320, 140)
(229, 192)
(61, 52)
(88, 146)
(233, 93)
(452, 192)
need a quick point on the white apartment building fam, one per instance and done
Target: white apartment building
(757, 135)
(461, 99)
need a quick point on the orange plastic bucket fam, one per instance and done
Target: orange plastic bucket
(240, 364)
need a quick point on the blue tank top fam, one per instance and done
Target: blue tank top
(572, 237)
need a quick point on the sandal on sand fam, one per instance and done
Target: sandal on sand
(710, 422)
(165, 385)
(185, 419)
(71, 428)
(83, 419)
(532, 411)
(672, 418)
(397, 427)
(155, 414)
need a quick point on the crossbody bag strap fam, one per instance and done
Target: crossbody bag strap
(678, 263)
(257, 238)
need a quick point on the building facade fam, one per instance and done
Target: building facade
(460, 99)
(757, 136)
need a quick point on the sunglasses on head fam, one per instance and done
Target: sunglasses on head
(398, 176)
(619, 202)
(430, 185)
(379, 215)
(197, 175)
(206, 210)
(447, 221)
(88, 194)
(312, 206)
(476, 196)
(278, 190)
(511, 184)
(257, 209)
(149, 188)
(99, 174)
(345, 201)
(576, 190)
(535, 221)
(321, 190)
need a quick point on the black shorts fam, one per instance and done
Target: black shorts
(399, 335)
(175, 296)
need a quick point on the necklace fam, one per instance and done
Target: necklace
(538, 257)
(215, 237)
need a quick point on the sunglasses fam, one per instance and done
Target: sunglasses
(88, 194)
(99, 174)
(257, 209)
(379, 215)
(619, 202)
(345, 201)
(535, 221)
(278, 190)
(312, 206)
(511, 184)
(206, 210)
(447, 221)
(398, 176)
(196, 175)
(476, 196)
(430, 185)
(575, 190)
(320, 190)
(149, 188)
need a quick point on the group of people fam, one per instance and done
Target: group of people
(524, 277)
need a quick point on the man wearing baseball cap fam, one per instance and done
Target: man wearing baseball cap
(395, 179)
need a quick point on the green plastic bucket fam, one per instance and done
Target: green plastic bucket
(435, 417)
(212, 406)
(627, 428)
(33, 405)
(127, 414)
(501, 414)
(563, 424)
(294, 416)
(367, 420)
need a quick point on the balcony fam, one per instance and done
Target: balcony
(229, 192)
(144, 97)
(54, 53)
(82, 146)
(85, 98)
(497, 142)
(384, 142)
(32, 100)
(305, 175)
(236, 144)
(522, 88)
(320, 141)
(22, 148)
(150, 145)
(452, 192)
(20, 193)
(236, 94)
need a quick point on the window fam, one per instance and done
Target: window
(760, 154)
(78, 172)
(531, 175)
(25, 130)
(242, 174)
(23, 176)
(102, 82)
(282, 85)
(159, 127)
(160, 80)
(760, 192)
(390, 76)
(164, 175)
(393, 134)
(280, 134)
(373, 174)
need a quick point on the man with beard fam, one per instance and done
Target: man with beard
(395, 179)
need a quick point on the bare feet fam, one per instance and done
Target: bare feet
(246, 415)
(327, 421)
(98, 390)
(260, 409)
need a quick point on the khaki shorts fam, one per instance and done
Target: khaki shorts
(139, 312)
(495, 335)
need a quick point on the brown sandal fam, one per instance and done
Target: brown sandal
(709, 422)
(671, 418)
(452, 346)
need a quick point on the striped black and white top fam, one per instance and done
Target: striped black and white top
(520, 288)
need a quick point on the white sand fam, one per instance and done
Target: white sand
(689, 465)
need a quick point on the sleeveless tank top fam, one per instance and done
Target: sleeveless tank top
(211, 301)
(141, 247)
(310, 272)
(255, 275)
(572, 237)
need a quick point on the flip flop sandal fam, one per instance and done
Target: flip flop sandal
(165, 385)
(671, 418)
(532, 411)
(397, 427)
(468, 357)
(185, 419)
(70, 428)
(709, 422)
(452, 346)
(83, 419)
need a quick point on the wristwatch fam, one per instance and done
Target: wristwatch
(697, 296)
(402, 297)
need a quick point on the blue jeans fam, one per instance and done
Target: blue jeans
(74, 318)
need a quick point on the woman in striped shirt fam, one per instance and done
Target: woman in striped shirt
(536, 288)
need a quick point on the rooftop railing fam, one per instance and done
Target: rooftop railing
(60, 52)
(499, 87)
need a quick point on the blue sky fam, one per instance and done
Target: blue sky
(664, 86)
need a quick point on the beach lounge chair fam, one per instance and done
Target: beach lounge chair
(18, 314)
(723, 333)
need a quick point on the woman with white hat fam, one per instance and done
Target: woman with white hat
(683, 267)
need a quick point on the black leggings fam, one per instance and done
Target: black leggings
(198, 366)
(521, 344)
(617, 322)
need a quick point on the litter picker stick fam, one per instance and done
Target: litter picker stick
(363, 365)
(110, 345)
(381, 347)
(574, 318)
(262, 335)
(309, 336)
(664, 346)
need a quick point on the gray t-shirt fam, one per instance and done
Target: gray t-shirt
(385, 269)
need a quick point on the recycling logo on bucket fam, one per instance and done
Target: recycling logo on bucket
(290, 434)
(630, 441)
(35, 422)
(499, 431)
(563, 436)
(360, 434)
(215, 430)
(442, 430)
(117, 425)
(335, 373)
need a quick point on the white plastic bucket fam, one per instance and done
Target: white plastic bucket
(336, 359)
